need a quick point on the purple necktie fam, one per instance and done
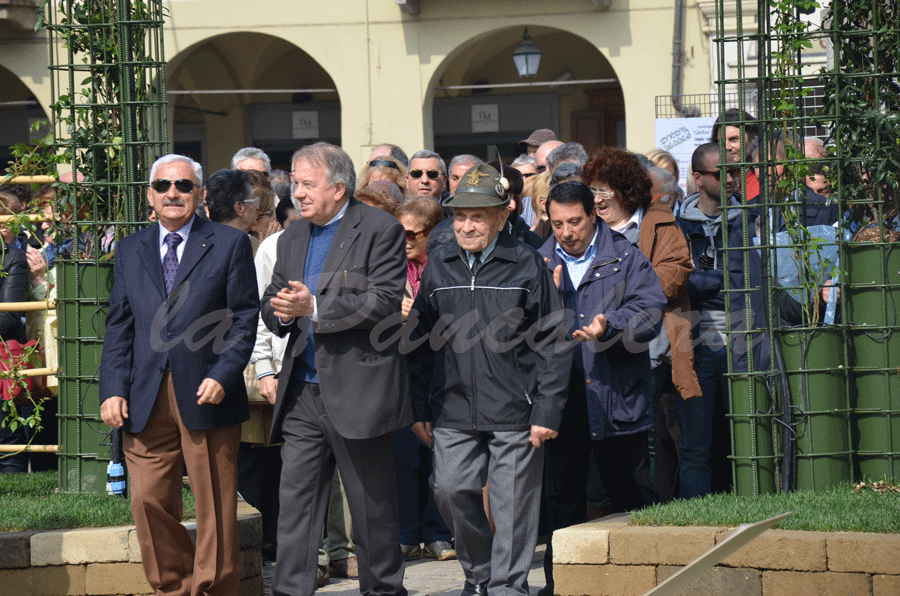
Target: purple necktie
(170, 261)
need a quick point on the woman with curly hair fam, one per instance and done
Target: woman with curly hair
(383, 167)
(621, 188)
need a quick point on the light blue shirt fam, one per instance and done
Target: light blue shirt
(184, 231)
(484, 254)
(578, 266)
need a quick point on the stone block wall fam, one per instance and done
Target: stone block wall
(103, 561)
(608, 557)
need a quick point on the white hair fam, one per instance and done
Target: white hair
(198, 169)
(251, 153)
(524, 159)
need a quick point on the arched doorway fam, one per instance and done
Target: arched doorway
(19, 110)
(249, 89)
(479, 99)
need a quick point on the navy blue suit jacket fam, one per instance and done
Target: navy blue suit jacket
(205, 328)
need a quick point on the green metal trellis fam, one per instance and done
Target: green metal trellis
(109, 111)
(817, 403)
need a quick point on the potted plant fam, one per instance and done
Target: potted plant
(862, 98)
(809, 349)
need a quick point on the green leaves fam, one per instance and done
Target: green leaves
(862, 96)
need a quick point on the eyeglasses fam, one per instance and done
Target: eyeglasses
(603, 195)
(411, 236)
(254, 201)
(716, 173)
(415, 174)
(384, 163)
(181, 185)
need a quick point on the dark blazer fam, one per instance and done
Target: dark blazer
(14, 284)
(365, 386)
(205, 328)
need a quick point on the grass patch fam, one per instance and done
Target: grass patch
(30, 502)
(847, 508)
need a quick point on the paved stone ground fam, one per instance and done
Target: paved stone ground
(423, 577)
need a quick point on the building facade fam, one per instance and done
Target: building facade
(417, 73)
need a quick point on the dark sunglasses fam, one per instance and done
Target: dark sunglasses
(433, 174)
(411, 236)
(383, 163)
(181, 185)
(715, 173)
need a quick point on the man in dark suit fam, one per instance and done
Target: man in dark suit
(179, 332)
(340, 271)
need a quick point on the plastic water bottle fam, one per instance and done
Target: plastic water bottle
(115, 479)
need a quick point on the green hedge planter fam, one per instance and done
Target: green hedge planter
(83, 297)
(814, 358)
(872, 303)
(751, 428)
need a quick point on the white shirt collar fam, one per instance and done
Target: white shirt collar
(633, 221)
(339, 215)
(183, 231)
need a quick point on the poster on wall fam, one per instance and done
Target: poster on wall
(486, 118)
(305, 125)
(680, 136)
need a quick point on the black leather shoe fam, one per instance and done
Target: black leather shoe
(474, 589)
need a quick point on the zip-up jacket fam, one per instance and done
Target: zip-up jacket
(704, 235)
(622, 285)
(490, 337)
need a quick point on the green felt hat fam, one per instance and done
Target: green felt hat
(480, 186)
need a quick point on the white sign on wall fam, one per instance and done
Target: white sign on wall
(680, 136)
(486, 118)
(305, 125)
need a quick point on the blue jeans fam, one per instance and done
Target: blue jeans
(695, 418)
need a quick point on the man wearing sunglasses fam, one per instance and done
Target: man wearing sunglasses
(427, 175)
(179, 333)
(704, 464)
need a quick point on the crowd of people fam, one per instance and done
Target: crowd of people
(417, 359)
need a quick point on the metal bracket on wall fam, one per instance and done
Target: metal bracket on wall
(602, 4)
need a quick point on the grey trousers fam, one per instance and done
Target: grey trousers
(464, 461)
(311, 448)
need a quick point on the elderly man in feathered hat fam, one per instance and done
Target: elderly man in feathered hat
(487, 318)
